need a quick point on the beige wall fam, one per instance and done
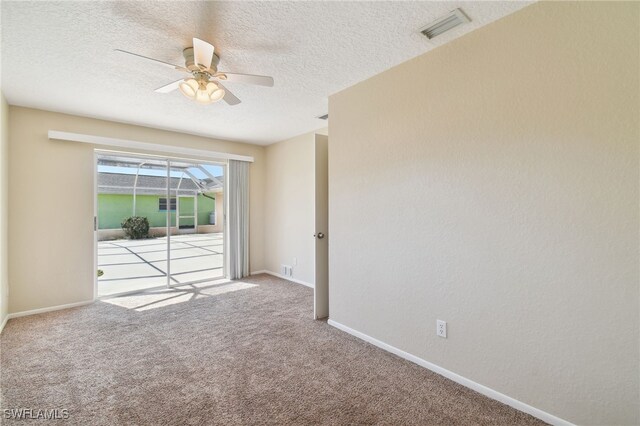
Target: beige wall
(290, 206)
(53, 265)
(494, 185)
(4, 213)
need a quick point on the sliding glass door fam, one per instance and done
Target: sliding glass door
(196, 253)
(159, 222)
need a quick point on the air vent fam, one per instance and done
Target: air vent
(444, 24)
(324, 117)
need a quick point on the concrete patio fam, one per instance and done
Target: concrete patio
(131, 265)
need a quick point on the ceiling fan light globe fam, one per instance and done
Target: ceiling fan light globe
(189, 88)
(202, 97)
(211, 87)
(217, 95)
(214, 92)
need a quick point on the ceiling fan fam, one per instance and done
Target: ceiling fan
(203, 85)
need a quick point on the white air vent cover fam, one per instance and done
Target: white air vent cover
(444, 24)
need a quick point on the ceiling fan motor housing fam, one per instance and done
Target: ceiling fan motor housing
(190, 63)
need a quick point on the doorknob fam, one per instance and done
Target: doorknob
(320, 235)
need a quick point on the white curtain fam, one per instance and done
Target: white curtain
(238, 200)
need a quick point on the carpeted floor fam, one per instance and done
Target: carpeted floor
(236, 353)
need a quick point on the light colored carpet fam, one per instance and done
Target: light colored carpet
(240, 353)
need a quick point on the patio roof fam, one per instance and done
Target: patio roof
(122, 183)
(119, 174)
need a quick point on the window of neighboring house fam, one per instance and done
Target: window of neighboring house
(162, 204)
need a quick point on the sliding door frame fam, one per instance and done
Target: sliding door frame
(168, 159)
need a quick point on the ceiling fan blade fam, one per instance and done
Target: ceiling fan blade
(229, 97)
(260, 80)
(177, 67)
(202, 53)
(169, 87)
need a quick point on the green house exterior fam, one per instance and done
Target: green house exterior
(114, 208)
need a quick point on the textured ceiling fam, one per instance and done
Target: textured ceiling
(60, 56)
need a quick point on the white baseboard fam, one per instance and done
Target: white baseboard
(264, 271)
(493, 394)
(48, 309)
(4, 322)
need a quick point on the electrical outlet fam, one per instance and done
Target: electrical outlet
(286, 270)
(441, 328)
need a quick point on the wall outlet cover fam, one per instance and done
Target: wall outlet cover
(286, 270)
(441, 328)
